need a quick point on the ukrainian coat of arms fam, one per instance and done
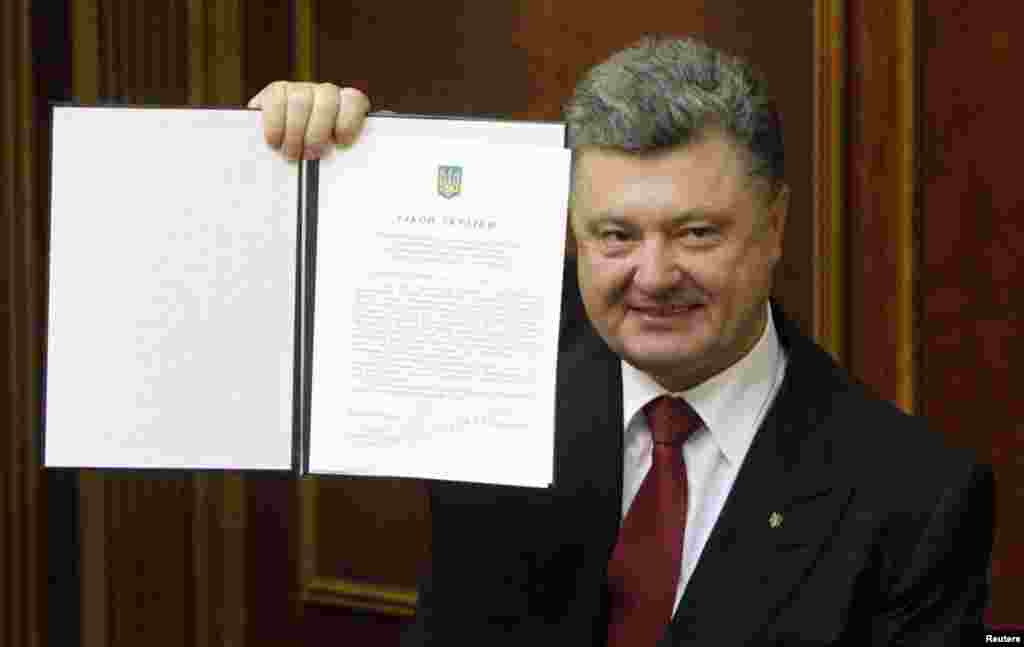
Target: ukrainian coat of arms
(449, 181)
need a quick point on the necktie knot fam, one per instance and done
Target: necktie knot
(671, 420)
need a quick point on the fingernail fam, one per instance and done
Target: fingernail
(312, 152)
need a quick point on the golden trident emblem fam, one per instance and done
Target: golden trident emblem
(449, 181)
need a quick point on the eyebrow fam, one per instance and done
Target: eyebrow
(615, 218)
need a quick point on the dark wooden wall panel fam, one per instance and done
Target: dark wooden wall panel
(454, 56)
(971, 267)
(383, 530)
(22, 564)
(268, 42)
(273, 605)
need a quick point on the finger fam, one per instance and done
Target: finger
(321, 120)
(351, 114)
(257, 99)
(272, 100)
(298, 106)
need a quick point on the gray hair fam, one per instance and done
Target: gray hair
(660, 93)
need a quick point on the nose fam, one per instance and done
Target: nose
(657, 268)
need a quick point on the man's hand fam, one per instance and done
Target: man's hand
(308, 119)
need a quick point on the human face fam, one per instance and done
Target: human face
(675, 255)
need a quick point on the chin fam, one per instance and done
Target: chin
(660, 360)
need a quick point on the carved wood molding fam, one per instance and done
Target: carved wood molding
(827, 184)
(329, 590)
(340, 592)
(304, 17)
(21, 571)
(882, 182)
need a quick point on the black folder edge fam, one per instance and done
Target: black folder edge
(40, 436)
(300, 357)
(305, 299)
(305, 270)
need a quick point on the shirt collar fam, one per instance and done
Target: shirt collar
(729, 403)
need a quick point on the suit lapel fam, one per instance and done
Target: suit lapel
(782, 509)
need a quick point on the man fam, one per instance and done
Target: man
(769, 498)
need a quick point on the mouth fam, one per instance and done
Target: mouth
(665, 313)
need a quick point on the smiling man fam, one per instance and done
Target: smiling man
(676, 250)
(719, 480)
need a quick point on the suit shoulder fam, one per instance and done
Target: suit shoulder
(905, 479)
(870, 437)
(880, 432)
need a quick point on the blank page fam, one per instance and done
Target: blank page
(172, 291)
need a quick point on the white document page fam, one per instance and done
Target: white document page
(436, 318)
(548, 134)
(172, 292)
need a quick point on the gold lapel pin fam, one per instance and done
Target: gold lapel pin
(775, 520)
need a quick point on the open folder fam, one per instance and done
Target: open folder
(391, 310)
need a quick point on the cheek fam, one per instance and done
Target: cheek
(741, 265)
(713, 274)
(740, 283)
(595, 273)
(600, 283)
(586, 279)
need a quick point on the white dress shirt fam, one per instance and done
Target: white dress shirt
(732, 405)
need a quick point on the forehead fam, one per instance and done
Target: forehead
(709, 173)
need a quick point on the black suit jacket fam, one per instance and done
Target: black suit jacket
(885, 538)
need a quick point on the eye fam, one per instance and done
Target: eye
(614, 236)
(700, 234)
(703, 231)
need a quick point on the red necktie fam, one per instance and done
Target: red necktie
(643, 572)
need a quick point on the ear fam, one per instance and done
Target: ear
(775, 226)
(571, 244)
